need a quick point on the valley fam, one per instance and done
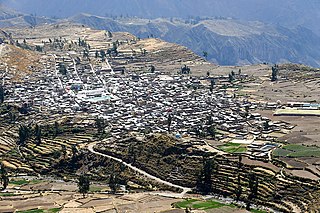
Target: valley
(152, 125)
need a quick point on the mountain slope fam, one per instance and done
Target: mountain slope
(289, 13)
(228, 42)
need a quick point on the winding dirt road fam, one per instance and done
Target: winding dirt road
(181, 195)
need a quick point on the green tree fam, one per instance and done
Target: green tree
(212, 131)
(4, 177)
(152, 69)
(109, 34)
(62, 68)
(56, 129)
(86, 53)
(204, 182)
(113, 180)
(83, 184)
(266, 125)
(37, 132)
(231, 78)
(238, 189)
(275, 71)
(24, 134)
(100, 125)
(205, 55)
(185, 70)
(1, 94)
(169, 121)
(39, 48)
(114, 183)
(103, 54)
(253, 186)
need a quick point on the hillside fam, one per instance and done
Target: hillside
(11, 18)
(228, 42)
(290, 13)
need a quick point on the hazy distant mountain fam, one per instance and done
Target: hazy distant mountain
(10, 17)
(228, 42)
(289, 13)
(7, 13)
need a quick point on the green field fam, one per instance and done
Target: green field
(196, 204)
(295, 150)
(4, 194)
(54, 210)
(233, 148)
(258, 211)
(23, 181)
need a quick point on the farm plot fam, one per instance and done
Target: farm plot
(297, 151)
(233, 148)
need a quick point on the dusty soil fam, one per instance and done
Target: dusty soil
(306, 129)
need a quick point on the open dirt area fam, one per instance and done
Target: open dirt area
(306, 129)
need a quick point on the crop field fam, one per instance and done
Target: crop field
(295, 150)
(54, 210)
(233, 148)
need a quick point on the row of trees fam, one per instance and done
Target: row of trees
(209, 172)
(113, 182)
(111, 52)
(27, 132)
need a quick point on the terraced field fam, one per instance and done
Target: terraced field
(39, 158)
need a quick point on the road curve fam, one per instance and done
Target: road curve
(181, 195)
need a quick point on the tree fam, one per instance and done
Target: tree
(185, 70)
(212, 131)
(96, 54)
(231, 77)
(253, 186)
(247, 108)
(275, 71)
(113, 180)
(1, 94)
(169, 122)
(86, 53)
(24, 134)
(56, 129)
(152, 69)
(39, 48)
(83, 184)
(62, 68)
(74, 151)
(205, 55)
(109, 34)
(238, 191)
(204, 182)
(103, 54)
(113, 183)
(37, 132)
(100, 124)
(266, 125)
(212, 84)
(4, 177)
